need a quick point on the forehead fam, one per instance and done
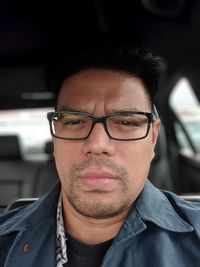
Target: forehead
(112, 89)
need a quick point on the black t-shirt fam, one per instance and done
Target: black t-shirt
(83, 255)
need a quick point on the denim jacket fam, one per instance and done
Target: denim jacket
(161, 230)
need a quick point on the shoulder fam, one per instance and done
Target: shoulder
(181, 202)
(167, 210)
(188, 210)
(15, 219)
(31, 214)
(10, 214)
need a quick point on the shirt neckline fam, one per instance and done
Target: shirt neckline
(86, 250)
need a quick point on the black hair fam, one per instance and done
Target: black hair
(135, 62)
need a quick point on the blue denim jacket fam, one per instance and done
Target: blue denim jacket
(162, 230)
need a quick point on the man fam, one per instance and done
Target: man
(106, 212)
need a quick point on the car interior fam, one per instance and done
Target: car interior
(32, 34)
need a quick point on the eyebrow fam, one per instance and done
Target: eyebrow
(67, 108)
(127, 110)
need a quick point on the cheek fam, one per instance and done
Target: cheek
(136, 157)
(139, 158)
(65, 156)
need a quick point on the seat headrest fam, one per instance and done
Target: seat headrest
(10, 147)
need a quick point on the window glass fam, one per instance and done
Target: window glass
(31, 126)
(187, 107)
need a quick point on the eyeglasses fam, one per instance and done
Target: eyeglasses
(122, 126)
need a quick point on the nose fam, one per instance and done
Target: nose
(99, 142)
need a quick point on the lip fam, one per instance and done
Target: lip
(98, 180)
(98, 175)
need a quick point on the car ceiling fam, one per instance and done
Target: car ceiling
(32, 32)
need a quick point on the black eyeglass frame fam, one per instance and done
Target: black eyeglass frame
(151, 117)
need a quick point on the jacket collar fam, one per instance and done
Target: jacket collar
(152, 206)
(155, 207)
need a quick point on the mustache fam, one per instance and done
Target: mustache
(99, 161)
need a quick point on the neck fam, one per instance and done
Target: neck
(89, 230)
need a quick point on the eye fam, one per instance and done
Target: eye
(72, 122)
(128, 123)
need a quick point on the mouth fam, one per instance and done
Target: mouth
(102, 181)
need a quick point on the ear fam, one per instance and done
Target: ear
(155, 131)
(154, 136)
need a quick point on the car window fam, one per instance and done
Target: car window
(186, 106)
(31, 126)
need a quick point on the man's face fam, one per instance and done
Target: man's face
(102, 177)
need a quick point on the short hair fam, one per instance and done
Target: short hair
(136, 62)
